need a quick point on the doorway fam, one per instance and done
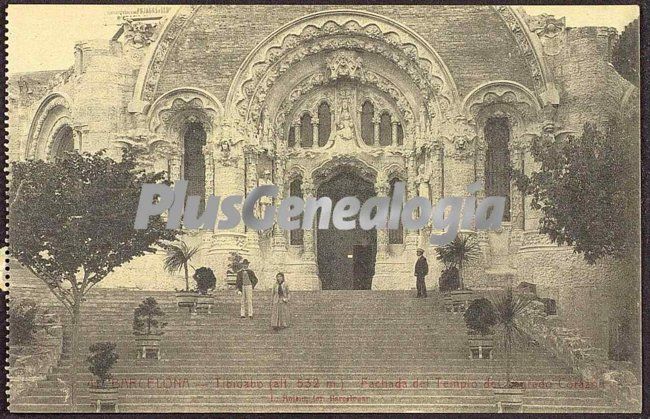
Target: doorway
(346, 258)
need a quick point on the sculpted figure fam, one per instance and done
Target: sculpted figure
(345, 126)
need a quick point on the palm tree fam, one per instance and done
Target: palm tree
(508, 308)
(178, 257)
(463, 249)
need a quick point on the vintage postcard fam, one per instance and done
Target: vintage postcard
(313, 208)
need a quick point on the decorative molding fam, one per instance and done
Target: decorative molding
(139, 34)
(532, 51)
(331, 167)
(152, 65)
(513, 94)
(45, 109)
(550, 31)
(459, 138)
(316, 32)
(188, 101)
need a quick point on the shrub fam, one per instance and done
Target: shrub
(449, 279)
(234, 262)
(23, 322)
(480, 316)
(462, 250)
(101, 360)
(205, 280)
(146, 317)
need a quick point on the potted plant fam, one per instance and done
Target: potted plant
(147, 328)
(234, 266)
(177, 259)
(463, 249)
(205, 282)
(101, 360)
(509, 308)
(480, 317)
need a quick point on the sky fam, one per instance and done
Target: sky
(42, 37)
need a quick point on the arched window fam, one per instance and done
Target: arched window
(325, 123)
(400, 134)
(395, 236)
(385, 130)
(194, 138)
(296, 235)
(63, 141)
(367, 126)
(497, 160)
(291, 142)
(306, 131)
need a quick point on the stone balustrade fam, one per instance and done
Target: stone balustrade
(619, 384)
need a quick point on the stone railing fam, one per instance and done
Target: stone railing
(30, 363)
(617, 379)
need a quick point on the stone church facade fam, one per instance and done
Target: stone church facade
(322, 101)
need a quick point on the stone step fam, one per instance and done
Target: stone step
(340, 407)
(458, 398)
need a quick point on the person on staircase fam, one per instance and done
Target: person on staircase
(280, 303)
(246, 281)
(421, 271)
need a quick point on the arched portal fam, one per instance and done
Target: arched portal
(62, 142)
(346, 258)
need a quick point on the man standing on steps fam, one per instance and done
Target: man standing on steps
(246, 281)
(421, 271)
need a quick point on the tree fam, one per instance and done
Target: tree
(178, 257)
(463, 249)
(509, 308)
(625, 54)
(587, 189)
(146, 317)
(71, 223)
(100, 362)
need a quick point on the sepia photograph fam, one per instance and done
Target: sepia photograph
(364, 208)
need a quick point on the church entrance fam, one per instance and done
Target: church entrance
(346, 258)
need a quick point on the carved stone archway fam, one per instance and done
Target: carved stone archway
(328, 169)
(52, 115)
(377, 59)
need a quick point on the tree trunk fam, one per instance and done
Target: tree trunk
(187, 278)
(74, 361)
(508, 354)
(461, 284)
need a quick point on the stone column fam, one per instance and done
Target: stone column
(412, 237)
(228, 169)
(209, 170)
(315, 132)
(308, 244)
(435, 181)
(516, 196)
(176, 166)
(459, 157)
(393, 137)
(382, 187)
(252, 236)
(376, 120)
(531, 215)
(296, 133)
(279, 239)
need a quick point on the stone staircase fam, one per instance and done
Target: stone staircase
(345, 351)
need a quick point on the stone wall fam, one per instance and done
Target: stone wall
(473, 42)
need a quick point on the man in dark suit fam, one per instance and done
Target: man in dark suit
(246, 281)
(421, 271)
